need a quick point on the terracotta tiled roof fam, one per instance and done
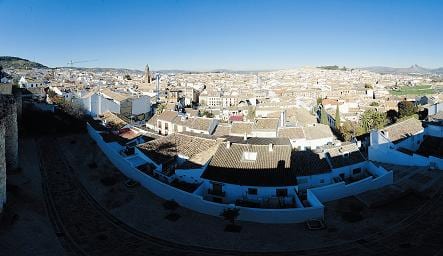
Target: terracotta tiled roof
(222, 130)
(270, 168)
(305, 163)
(300, 116)
(111, 118)
(242, 127)
(166, 148)
(115, 95)
(201, 123)
(344, 155)
(266, 124)
(291, 133)
(318, 131)
(168, 116)
(403, 129)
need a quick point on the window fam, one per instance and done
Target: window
(252, 191)
(356, 171)
(249, 156)
(282, 192)
(217, 187)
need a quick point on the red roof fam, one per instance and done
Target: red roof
(236, 118)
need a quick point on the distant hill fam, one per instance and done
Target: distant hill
(335, 67)
(18, 63)
(179, 71)
(414, 69)
(96, 69)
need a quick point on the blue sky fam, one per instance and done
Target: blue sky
(211, 34)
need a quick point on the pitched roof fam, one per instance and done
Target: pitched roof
(112, 118)
(242, 127)
(269, 169)
(168, 116)
(115, 95)
(300, 116)
(266, 124)
(257, 140)
(291, 133)
(403, 129)
(201, 123)
(305, 163)
(318, 131)
(222, 130)
(153, 120)
(345, 154)
(164, 149)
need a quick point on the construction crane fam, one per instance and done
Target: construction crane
(71, 63)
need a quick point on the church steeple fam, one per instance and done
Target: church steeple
(147, 75)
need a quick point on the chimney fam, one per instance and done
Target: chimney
(245, 137)
(228, 144)
(271, 147)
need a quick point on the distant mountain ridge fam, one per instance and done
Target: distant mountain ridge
(19, 63)
(414, 69)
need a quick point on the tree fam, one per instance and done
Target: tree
(323, 116)
(350, 130)
(392, 116)
(372, 119)
(374, 104)
(128, 77)
(319, 100)
(207, 114)
(337, 118)
(406, 108)
(251, 113)
(160, 109)
(368, 86)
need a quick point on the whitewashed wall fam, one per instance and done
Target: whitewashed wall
(341, 190)
(196, 202)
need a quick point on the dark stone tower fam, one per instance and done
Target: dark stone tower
(147, 75)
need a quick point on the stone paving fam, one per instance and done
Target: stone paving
(25, 228)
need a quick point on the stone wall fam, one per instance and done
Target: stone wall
(8, 141)
(2, 165)
(11, 134)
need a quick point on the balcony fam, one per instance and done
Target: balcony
(216, 193)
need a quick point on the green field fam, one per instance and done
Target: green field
(414, 90)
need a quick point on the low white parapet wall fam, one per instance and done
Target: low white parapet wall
(341, 189)
(393, 156)
(197, 203)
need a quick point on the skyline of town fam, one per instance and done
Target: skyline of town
(237, 35)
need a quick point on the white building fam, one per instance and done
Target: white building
(97, 102)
